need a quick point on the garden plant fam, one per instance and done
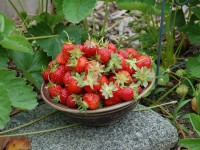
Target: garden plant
(25, 54)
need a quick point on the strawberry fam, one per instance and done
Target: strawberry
(71, 101)
(123, 77)
(90, 47)
(66, 48)
(67, 77)
(73, 87)
(51, 64)
(91, 84)
(130, 70)
(90, 101)
(103, 80)
(123, 53)
(54, 90)
(112, 100)
(112, 78)
(139, 89)
(67, 67)
(45, 74)
(123, 62)
(81, 64)
(132, 52)
(81, 47)
(63, 96)
(104, 55)
(56, 75)
(94, 67)
(126, 94)
(112, 47)
(61, 59)
(143, 61)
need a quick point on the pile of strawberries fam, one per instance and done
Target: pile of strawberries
(91, 76)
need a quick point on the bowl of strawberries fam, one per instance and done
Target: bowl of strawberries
(96, 84)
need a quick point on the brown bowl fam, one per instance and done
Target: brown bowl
(98, 117)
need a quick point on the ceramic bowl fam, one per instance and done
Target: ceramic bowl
(98, 117)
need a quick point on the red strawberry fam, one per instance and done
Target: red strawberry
(123, 77)
(51, 64)
(56, 76)
(45, 74)
(81, 64)
(112, 78)
(81, 47)
(63, 96)
(139, 89)
(73, 87)
(67, 67)
(61, 59)
(112, 47)
(67, 77)
(92, 88)
(126, 94)
(66, 48)
(132, 52)
(130, 70)
(123, 62)
(71, 102)
(112, 100)
(90, 48)
(54, 90)
(104, 55)
(143, 61)
(103, 80)
(91, 101)
(123, 53)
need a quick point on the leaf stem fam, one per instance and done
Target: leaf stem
(31, 122)
(167, 92)
(105, 19)
(147, 108)
(41, 37)
(86, 25)
(42, 131)
(20, 3)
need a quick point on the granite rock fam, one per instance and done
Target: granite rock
(144, 130)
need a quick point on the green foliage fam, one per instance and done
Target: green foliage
(14, 92)
(77, 10)
(31, 65)
(12, 41)
(53, 45)
(193, 65)
(3, 58)
(5, 106)
(191, 143)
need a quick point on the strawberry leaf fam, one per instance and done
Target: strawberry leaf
(3, 58)
(5, 106)
(20, 94)
(77, 10)
(31, 65)
(6, 25)
(16, 42)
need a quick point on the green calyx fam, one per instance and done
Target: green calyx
(121, 78)
(132, 63)
(134, 87)
(79, 78)
(96, 68)
(76, 53)
(143, 76)
(90, 80)
(114, 63)
(108, 89)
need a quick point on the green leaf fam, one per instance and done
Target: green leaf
(53, 45)
(192, 144)
(132, 5)
(193, 65)
(16, 42)
(195, 120)
(5, 106)
(194, 33)
(180, 105)
(6, 25)
(59, 8)
(20, 94)
(77, 10)
(3, 58)
(196, 11)
(31, 65)
(180, 19)
(51, 20)
(198, 98)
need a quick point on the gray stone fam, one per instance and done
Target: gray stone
(144, 130)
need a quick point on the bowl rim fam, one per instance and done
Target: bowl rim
(47, 99)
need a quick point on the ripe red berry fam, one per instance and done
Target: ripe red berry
(67, 77)
(61, 59)
(56, 76)
(123, 53)
(64, 95)
(54, 90)
(66, 48)
(112, 47)
(143, 61)
(71, 102)
(104, 55)
(81, 64)
(45, 74)
(132, 52)
(91, 101)
(90, 48)
(126, 94)
(73, 87)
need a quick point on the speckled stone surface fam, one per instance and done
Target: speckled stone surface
(144, 130)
